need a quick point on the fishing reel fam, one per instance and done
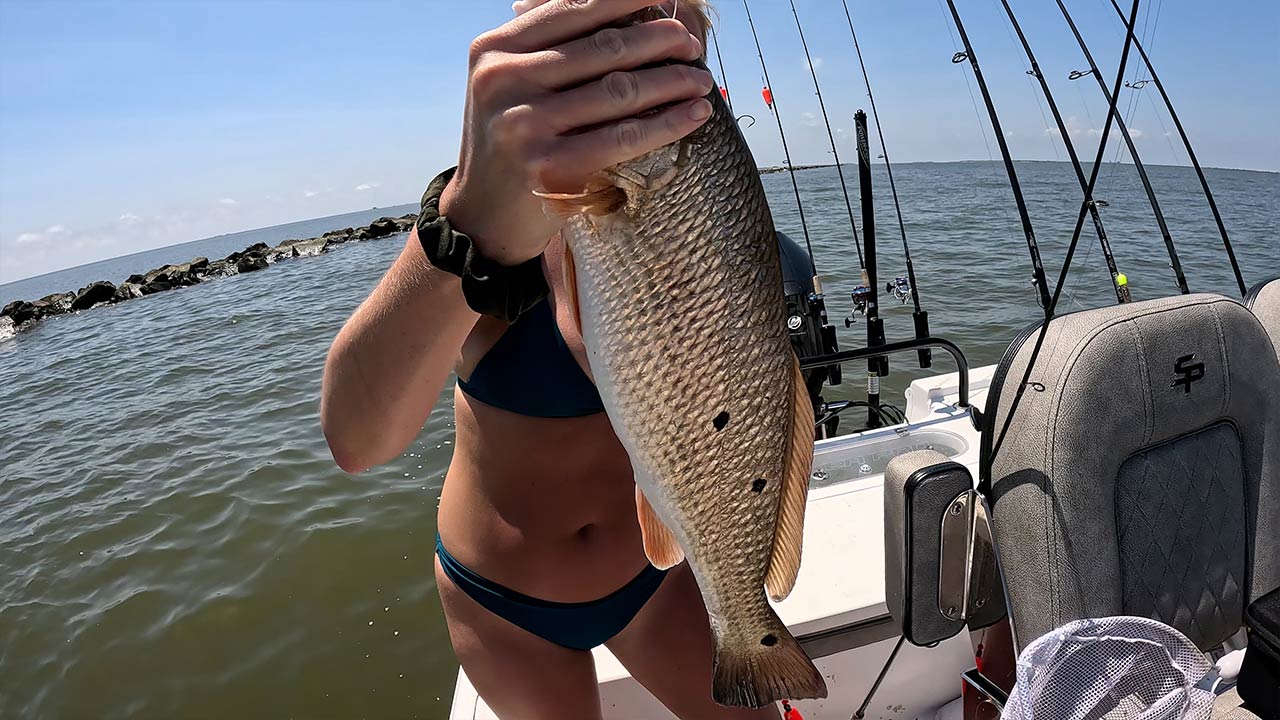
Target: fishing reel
(861, 297)
(899, 288)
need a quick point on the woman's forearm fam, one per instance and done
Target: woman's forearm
(387, 366)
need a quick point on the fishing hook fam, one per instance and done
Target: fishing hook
(1137, 85)
(1077, 74)
(751, 117)
(959, 57)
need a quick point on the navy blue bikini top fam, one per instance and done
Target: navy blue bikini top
(531, 371)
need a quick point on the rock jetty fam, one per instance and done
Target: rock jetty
(21, 314)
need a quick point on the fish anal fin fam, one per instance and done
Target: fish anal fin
(570, 270)
(784, 563)
(659, 542)
(599, 201)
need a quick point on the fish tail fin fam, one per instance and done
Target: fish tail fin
(770, 669)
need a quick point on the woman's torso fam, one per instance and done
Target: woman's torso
(542, 505)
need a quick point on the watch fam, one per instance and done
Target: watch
(490, 288)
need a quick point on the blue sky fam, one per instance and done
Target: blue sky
(128, 125)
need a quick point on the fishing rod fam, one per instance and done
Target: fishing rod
(920, 316)
(990, 443)
(724, 79)
(1037, 265)
(771, 102)
(877, 367)
(1133, 149)
(1118, 280)
(844, 189)
(817, 304)
(1195, 163)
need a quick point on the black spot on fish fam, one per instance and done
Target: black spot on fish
(720, 421)
(757, 487)
(769, 640)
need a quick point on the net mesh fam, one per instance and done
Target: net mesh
(1118, 667)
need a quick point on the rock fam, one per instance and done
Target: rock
(360, 234)
(128, 291)
(196, 266)
(136, 279)
(219, 269)
(250, 263)
(152, 288)
(254, 249)
(337, 237)
(382, 227)
(55, 304)
(310, 248)
(19, 311)
(94, 294)
(406, 222)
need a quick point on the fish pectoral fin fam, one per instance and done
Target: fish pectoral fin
(784, 563)
(570, 270)
(659, 542)
(602, 200)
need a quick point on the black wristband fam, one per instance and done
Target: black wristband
(502, 291)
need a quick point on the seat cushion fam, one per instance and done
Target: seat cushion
(1264, 301)
(1141, 472)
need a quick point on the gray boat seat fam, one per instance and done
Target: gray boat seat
(1264, 301)
(1140, 474)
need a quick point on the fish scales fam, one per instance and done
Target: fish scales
(680, 297)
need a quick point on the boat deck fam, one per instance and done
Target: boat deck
(837, 609)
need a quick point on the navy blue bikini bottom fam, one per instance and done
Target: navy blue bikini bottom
(577, 626)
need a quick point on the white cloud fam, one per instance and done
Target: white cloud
(367, 186)
(57, 230)
(1074, 128)
(29, 238)
(129, 219)
(309, 193)
(1136, 133)
(817, 64)
(228, 202)
(809, 119)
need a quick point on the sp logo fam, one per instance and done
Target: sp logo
(1187, 372)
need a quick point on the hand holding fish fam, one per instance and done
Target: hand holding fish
(552, 100)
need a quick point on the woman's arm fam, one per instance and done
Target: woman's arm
(387, 366)
(551, 102)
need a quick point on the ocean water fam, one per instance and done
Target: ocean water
(176, 542)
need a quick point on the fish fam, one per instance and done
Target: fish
(673, 274)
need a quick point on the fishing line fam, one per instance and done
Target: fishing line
(844, 188)
(1112, 100)
(771, 101)
(1191, 153)
(991, 445)
(1119, 283)
(724, 79)
(920, 316)
(1033, 248)
(1044, 119)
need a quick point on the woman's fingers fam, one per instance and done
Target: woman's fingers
(610, 49)
(573, 159)
(557, 22)
(622, 94)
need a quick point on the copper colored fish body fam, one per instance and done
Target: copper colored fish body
(674, 262)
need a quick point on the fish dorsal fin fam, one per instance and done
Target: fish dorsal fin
(659, 542)
(570, 270)
(784, 563)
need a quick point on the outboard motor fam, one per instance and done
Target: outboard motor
(811, 334)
